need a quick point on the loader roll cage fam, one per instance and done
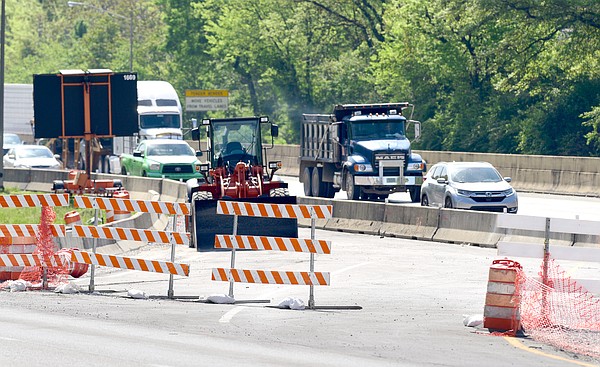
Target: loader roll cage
(239, 139)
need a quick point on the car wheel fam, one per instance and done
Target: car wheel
(124, 171)
(424, 200)
(448, 203)
(144, 174)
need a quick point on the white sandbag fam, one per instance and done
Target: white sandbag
(136, 293)
(19, 285)
(472, 320)
(220, 298)
(67, 288)
(292, 303)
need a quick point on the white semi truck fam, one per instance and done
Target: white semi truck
(18, 110)
(160, 115)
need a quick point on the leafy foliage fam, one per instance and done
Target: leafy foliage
(506, 76)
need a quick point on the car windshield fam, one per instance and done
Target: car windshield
(236, 137)
(11, 139)
(159, 121)
(33, 152)
(170, 149)
(475, 174)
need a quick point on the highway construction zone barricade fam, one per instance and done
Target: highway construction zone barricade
(122, 205)
(121, 262)
(21, 242)
(236, 242)
(558, 306)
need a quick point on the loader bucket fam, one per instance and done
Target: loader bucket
(209, 223)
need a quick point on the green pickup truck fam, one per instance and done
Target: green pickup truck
(162, 158)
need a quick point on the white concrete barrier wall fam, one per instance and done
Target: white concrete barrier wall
(446, 225)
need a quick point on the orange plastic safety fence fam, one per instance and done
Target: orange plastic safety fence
(45, 247)
(560, 313)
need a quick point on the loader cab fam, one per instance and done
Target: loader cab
(232, 140)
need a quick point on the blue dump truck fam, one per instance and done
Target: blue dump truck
(361, 149)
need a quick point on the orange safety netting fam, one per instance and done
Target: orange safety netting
(560, 312)
(45, 247)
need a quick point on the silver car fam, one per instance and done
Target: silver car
(468, 185)
(31, 156)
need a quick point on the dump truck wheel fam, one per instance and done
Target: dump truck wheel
(279, 192)
(319, 188)
(415, 194)
(352, 191)
(306, 180)
(329, 191)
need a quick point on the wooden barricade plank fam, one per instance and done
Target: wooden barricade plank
(293, 211)
(131, 234)
(30, 260)
(29, 230)
(130, 205)
(273, 244)
(130, 263)
(34, 200)
(270, 277)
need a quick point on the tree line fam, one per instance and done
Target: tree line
(500, 76)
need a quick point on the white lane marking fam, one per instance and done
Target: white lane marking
(350, 268)
(230, 314)
(9, 339)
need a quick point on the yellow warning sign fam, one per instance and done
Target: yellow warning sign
(206, 93)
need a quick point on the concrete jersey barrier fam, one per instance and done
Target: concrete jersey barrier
(375, 218)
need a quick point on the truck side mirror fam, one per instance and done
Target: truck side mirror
(417, 129)
(274, 130)
(195, 134)
(199, 153)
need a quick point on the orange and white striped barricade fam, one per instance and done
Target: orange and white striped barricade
(130, 263)
(29, 230)
(115, 215)
(21, 239)
(72, 218)
(30, 260)
(312, 246)
(33, 200)
(143, 206)
(15, 245)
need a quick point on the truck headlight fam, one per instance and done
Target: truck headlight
(418, 166)
(464, 192)
(362, 167)
(154, 166)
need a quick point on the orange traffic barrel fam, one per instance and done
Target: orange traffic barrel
(72, 218)
(75, 270)
(119, 214)
(501, 312)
